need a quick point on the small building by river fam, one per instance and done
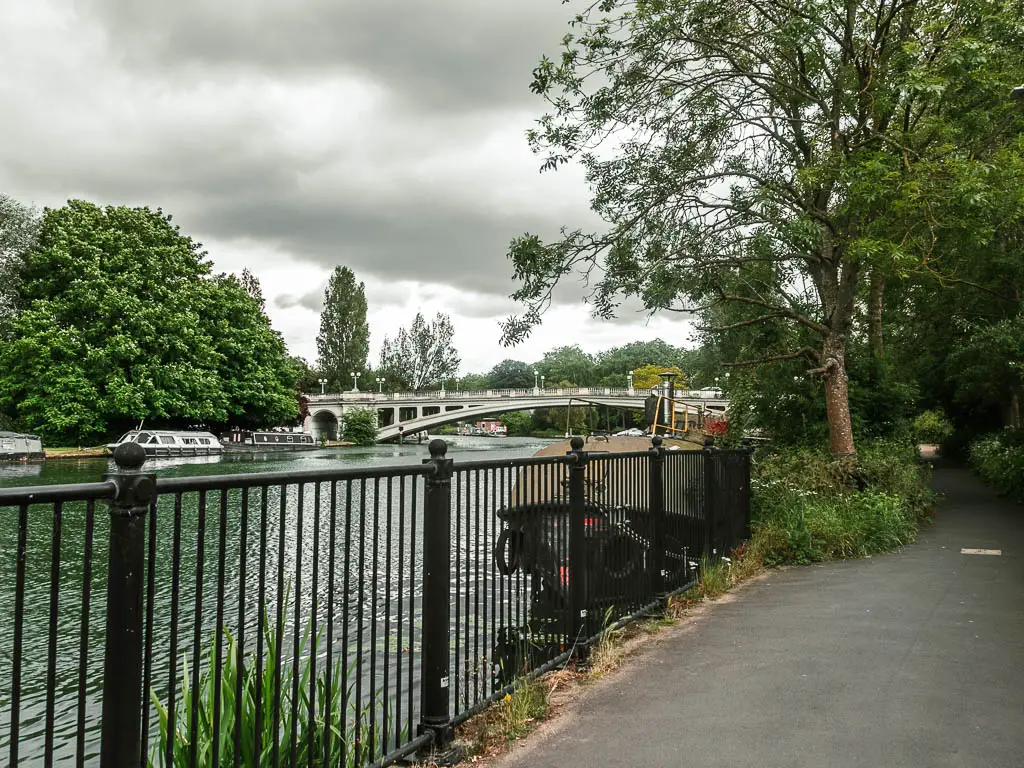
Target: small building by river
(15, 446)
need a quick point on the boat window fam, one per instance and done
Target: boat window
(143, 437)
(291, 439)
(204, 440)
(188, 440)
(167, 439)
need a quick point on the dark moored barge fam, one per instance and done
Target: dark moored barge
(245, 441)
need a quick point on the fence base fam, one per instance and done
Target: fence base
(452, 754)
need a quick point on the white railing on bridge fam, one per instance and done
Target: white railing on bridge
(496, 394)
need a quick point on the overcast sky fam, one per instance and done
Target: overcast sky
(290, 137)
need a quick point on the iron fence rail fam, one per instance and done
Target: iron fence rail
(338, 617)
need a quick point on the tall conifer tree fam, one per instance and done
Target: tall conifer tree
(344, 339)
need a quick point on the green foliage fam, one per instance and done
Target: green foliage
(519, 710)
(254, 373)
(518, 423)
(808, 507)
(422, 356)
(999, 459)
(359, 426)
(306, 377)
(614, 364)
(119, 320)
(19, 227)
(755, 163)
(510, 374)
(648, 376)
(569, 364)
(932, 427)
(344, 339)
(474, 382)
(328, 698)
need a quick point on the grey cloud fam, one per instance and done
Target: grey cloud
(312, 300)
(227, 174)
(438, 54)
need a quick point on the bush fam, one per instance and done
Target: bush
(999, 461)
(808, 507)
(359, 426)
(932, 427)
(518, 423)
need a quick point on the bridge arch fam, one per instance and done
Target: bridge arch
(324, 424)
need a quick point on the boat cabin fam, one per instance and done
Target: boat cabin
(171, 442)
(268, 440)
(15, 446)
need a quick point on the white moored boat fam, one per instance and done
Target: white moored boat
(164, 442)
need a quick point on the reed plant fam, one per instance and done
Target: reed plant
(350, 738)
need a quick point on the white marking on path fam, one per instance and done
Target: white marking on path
(968, 551)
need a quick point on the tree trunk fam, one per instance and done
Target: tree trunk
(837, 396)
(876, 293)
(1012, 416)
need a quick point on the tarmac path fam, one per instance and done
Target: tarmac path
(914, 658)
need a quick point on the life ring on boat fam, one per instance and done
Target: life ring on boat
(508, 552)
(620, 556)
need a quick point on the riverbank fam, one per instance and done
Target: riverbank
(75, 453)
(100, 451)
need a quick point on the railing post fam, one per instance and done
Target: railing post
(121, 735)
(437, 511)
(577, 541)
(656, 498)
(710, 489)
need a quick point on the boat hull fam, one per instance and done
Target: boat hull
(168, 451)
(268, 448)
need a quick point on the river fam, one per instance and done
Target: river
(89, 470)
(295, 544)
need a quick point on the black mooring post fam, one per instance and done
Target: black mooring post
(577, 542)
(436, 578)
(121, 734)
(710, 486)
(656, 495)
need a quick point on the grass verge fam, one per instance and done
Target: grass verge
(998, 459)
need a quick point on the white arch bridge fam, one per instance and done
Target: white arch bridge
(421, 411)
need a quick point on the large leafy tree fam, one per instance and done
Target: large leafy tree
(344, 340)
(767, 155)
(510, 374)
(255, 372)
(614, 364)
(120, 320)
(19, 226)
(421, 356)
(570, 364)
(252, 286)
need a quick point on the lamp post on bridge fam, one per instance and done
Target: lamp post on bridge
(629, 388)
(322, 382)
(380, 385)
(541, 383)
(355, 382)
(536, 390)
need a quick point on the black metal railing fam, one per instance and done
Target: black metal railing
(339, 617)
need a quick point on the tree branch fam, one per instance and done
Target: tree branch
(755, 321)
(806, 352)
